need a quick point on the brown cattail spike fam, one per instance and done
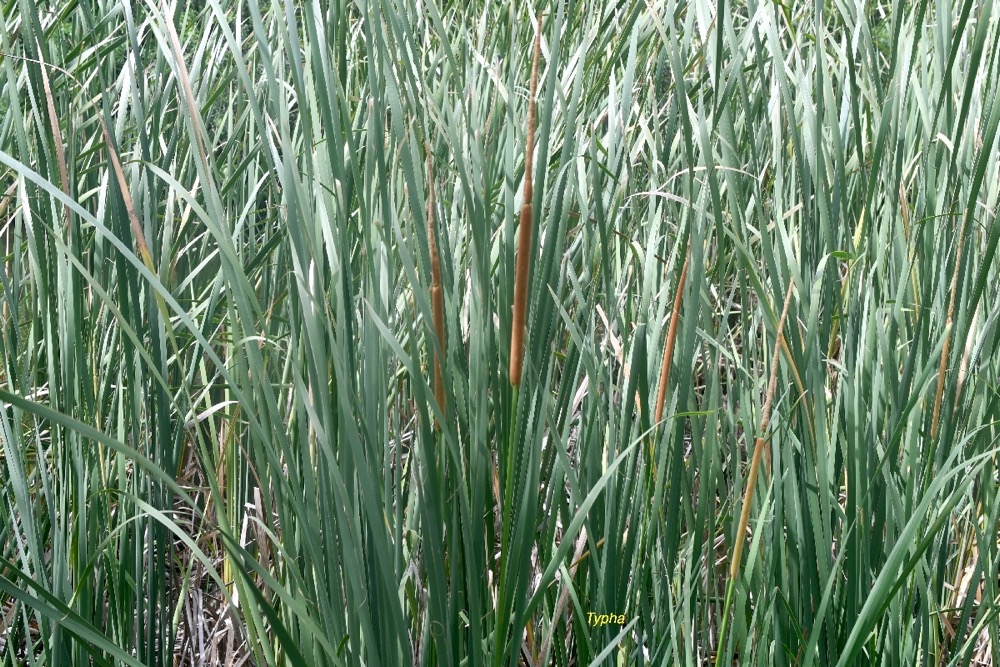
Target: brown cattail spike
(518, 332)
(56, 137)
(759, 444)
(943, 367)
(437, 295)
(668, 350)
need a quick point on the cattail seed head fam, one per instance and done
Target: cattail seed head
(523, 266)
(758, 448)
(437, 294)
(518, 328)
(437, 303)
(668, 349)
(945, 351)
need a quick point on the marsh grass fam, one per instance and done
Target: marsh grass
(264, 396)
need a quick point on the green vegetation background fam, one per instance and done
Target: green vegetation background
(217, 333)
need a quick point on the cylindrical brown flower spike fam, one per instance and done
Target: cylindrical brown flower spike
(668, 349)
(939, 392)
(518, 328)
(437, 302)
(437, 295)
(758, 448)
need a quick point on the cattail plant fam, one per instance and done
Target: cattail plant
(518, 328)
(668, 349)
(758, 447)
(57, 139)
(943, 364)
(437, 295)
(262, 207)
